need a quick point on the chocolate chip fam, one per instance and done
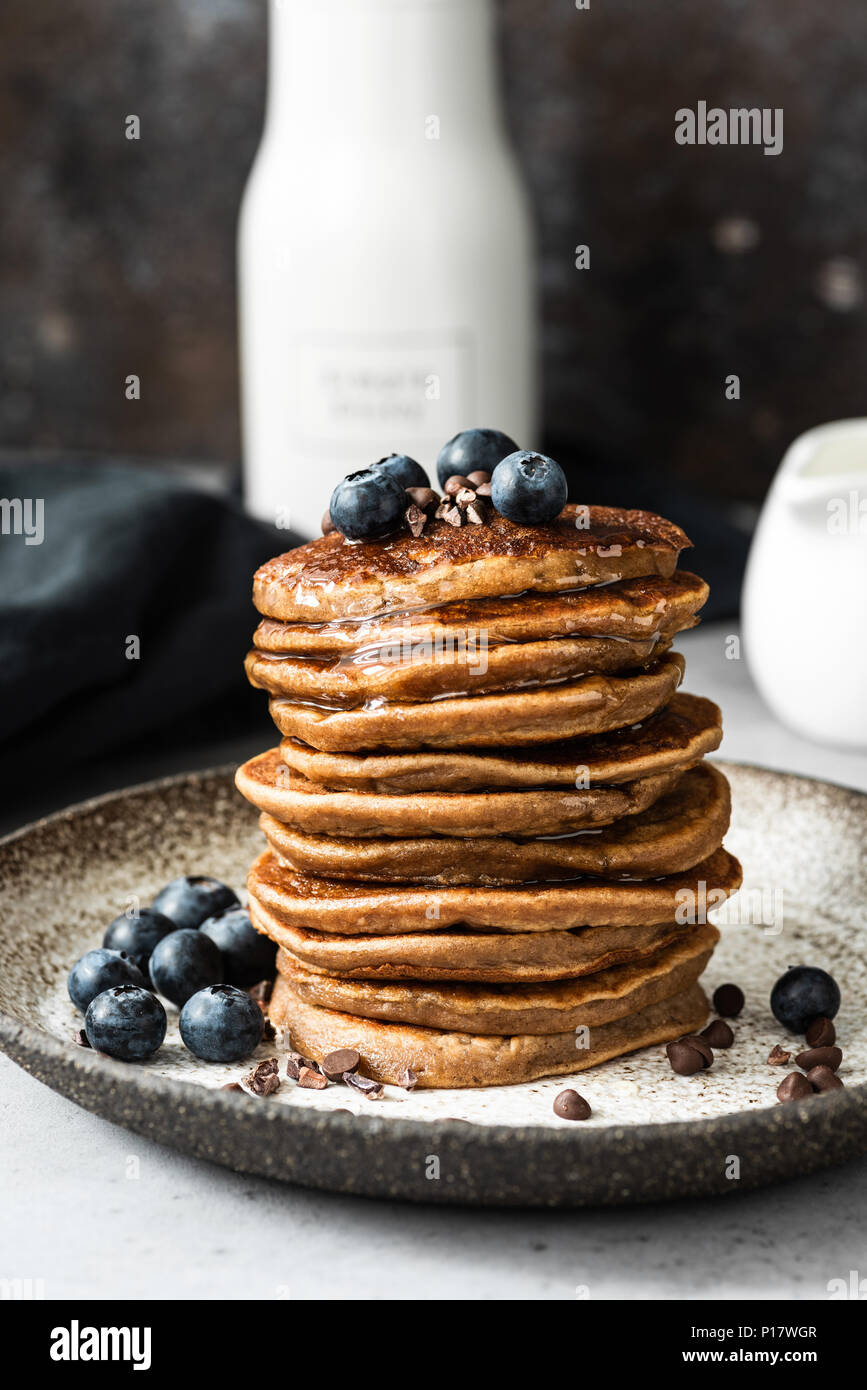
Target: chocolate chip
(372, 1090)
(232, 1086)
(416, 519)
(454, 516)
(455, 484)
(327, 524)
(819, 1057)
(80, 1037)
(478, 478)
(424, 497)
(477, 513)
(294, 1063)
(312, 1080)
(465, 496)
(718, 1033)
(824, 1079)
(343, 1060)
(685, 1060)
(570, 1106)
(483, 490)
(728, 1000)
(689, 1054)
(778, 1056)
(821, 1033)
(795, 1086)
(408, 1079)
(262, 991)
(701, 1045)
(269, 1032)
(264, 1079)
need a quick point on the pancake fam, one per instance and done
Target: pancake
(424, 671)
(352, 908)
(268, 783)
(630, 608)
(513, 1008)
(464, 1059)
(677, 736)
(452, 954)
(590, 705)
(679, 830)
(331, 577)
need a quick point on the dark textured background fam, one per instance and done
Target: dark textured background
(118, 256)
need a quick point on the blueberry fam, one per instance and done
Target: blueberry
(403, 469)
(473, 451)
(137, 936)
(98, 970)
(805, 992)
(183, 962)
(126, 1022)
(221, 1024)
(369, 503)
(192, 900)
(529, 488)
(248, 956)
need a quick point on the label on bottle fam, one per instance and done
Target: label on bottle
(386, 390)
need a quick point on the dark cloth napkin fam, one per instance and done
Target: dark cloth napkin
(127, 553)
(135, 553)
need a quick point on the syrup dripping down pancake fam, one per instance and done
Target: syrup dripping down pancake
(571, 709)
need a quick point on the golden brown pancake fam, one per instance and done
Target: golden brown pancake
(453, 954)
(331, 577)
(422, 672)
(679, 830)
(268, 783)
(631, 608)
(677, 736)
(571, 709)
(465, 1059)
(352, 908)
(512, 1008)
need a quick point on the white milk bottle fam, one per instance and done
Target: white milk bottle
(385, 250)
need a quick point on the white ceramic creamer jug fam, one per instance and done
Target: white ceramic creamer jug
(805, 593)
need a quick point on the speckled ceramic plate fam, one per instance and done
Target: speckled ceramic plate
(652, 1134)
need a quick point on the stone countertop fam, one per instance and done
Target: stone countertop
(95, 1212)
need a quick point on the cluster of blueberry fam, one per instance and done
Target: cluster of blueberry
(525, 487)
(198, 948)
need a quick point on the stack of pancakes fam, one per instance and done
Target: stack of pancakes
(491, 834)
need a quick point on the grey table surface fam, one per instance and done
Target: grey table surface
(94, 1212)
